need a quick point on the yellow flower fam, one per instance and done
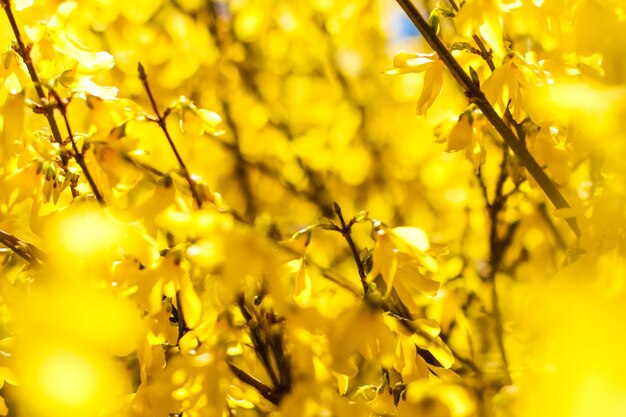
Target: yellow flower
(432, 67)
(509, 84)
(404, 256)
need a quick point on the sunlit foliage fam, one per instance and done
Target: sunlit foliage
(312, 208)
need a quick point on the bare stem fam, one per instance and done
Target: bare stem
(346, 232)
(25, 250)
(497, 247)
(47, 109)
(143, 77)
(24, 52)
(558, 239)
(180, 318)
(260, 346)
(316, 192)
(78, 155)
(241, 168)
(267, 392)
(476, 96)
(269, 347)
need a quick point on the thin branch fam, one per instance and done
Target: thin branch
(476, 96)
(560, 242)
(240, 169)
(317, 194)
(180, 318)
(497, 248)
(25, 250)
(387, 307)
(259, 344)
(499, 328)
(487, 56)
(346, 232)
(61, 104)
(483, 187)
(158, 173)
(267, 392)
(408, 324)
(270, 172)
(24, 52)
(143, 77)
(269, 347)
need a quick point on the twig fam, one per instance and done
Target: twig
(25, 250)
(407, 324)
(143, 77)
(267, 392)
(476, 96)
(258, 341)
(497, 248)
(488, 58)
(317, 194)
(560, 242)
(346, 232)
(158, 173)
(240, 169)
(24, 52)
(387, 307)
(270, 172)
(180, 318)
(61, 104)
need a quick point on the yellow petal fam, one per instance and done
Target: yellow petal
(191, 123)
(19, 6)
(7, 375)
(433, 81)
(491, 30)
(410, 275)
(210, 121)
(405, 62)
(413, 236)
(349, 332)
(434, 345)
(460, 135)
(493, 86)
(302, 283)
(191, 304)
(342, 383)
(385, 260)
(4, 411)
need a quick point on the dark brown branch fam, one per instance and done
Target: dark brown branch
(45, 108)
(61, 104)
(241, 167)
(317, 192)
(560, 242)
(346, 232)
(267, 392)
(270, 172)
(476, 96)
(143, 77)
(488, 58)
(497, 247)
(180, 318)
(387, 307)
(259, 342)
(407, 324)
(25, 250)
(24, 52)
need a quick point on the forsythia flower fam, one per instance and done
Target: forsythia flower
(432, 67)
(511, 82)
